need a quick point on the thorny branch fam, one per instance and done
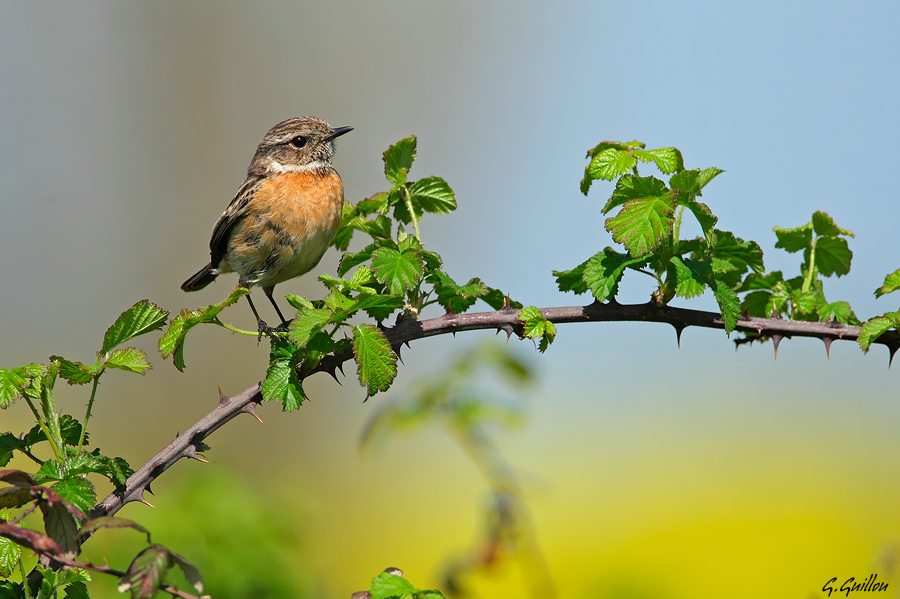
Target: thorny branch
(189, 443)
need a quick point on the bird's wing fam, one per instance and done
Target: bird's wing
(218, 244)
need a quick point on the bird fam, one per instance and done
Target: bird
(284, 215)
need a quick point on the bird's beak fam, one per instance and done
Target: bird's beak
(337, 132)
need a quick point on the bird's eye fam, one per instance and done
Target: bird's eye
(298, 142)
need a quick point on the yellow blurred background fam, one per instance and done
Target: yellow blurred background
(650, 471)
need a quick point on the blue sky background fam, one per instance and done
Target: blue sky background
(126, 130)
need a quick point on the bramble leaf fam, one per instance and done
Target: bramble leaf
(130, 359)
(433, 195)
(375, 358)
(729, 305)
(77, 490)
(873, 328)
(307, 323)
(833, 256)
(609, 159)
(400, 271)
(668, 160)
(793, 240)
(75, 373)
(824, 225)
(141, 318)
(891, 284)
(172, 341)
(630, 187)
(391, 586)
(281, 381)
(603, 271)
(537, 327)
(691, 277)
(398, 159)
(642, 224)
(453, 297)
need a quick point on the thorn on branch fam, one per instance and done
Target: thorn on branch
(191, 452)
(827, 341)
(678, 328)
(892, 349)
(223, 399)
(250, 408)
(776, 341)
(506, 328)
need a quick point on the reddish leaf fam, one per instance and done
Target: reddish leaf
(31, 539)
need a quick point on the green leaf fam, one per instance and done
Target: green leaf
(12, 382)
(833, 256)
(375, 203)
(399, 271)
(742, 255)
(758, 281)
(281, 381)
(572, 280)
(823, 225)
(453, 297)
(694, 180)
(146, 572)
(873, 328)
(496, 299)
(391, 586)
(537, 327)
(9, 558)
(691, 277)
(348, 261)
(433, 195)
(172, 341)
(793, 240)
(77, 590)
(137, 320)
(60, 524)
(375, 358)
(891, 284)
(75, 373)
(398, 160)
(603, 271)
(668, 160)
(607, 165)
(756, 302)
(729, 304)
(130, 359)
(630, 187)
(838, 311)
(642, 224)
(117, 470)
(77, 490)
(307, 323)
(8, 444)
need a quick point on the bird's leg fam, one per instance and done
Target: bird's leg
(268, 291)
(263, 328)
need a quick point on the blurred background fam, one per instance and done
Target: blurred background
(650, 471)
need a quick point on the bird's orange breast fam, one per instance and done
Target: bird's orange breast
(287, 226)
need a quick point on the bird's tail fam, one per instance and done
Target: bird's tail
(204, 277)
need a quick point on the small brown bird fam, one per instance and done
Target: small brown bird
(285, 214)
